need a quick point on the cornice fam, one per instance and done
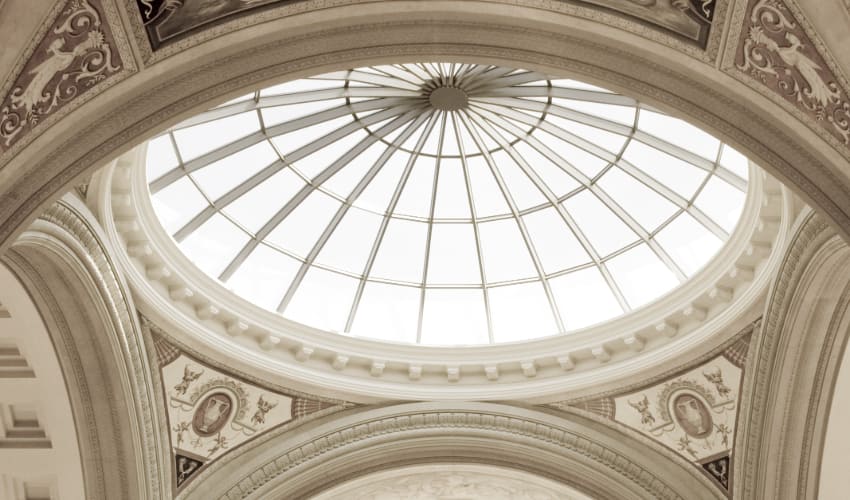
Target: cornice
(165, 280)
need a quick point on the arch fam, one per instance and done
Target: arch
(791, 373)
(62, 262)
(344, 35)
(565, 447)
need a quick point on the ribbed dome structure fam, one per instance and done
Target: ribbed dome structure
(445, 203)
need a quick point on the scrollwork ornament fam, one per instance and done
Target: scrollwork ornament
(73, 57)
(778, 53)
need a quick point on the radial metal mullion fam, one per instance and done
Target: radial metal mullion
(562, 112)
(558, 132)
(371, 78)
(487, 77)
(266, 172)
(305, 191)
(538, 264)
(487, 308)
(403, 74)
(385, 221)
(472, 72)
(430, 229)
(653, 184)
(563, 93)
(675, 151)
(512, 80)
(339, 112)
(173, 175)
(217, 114)
(343, 209)
(615, 289)
(731, 178)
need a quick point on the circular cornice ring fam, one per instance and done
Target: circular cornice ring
(200, 312)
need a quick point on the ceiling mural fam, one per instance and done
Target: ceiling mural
(694, 413)
(211, 413)
(77, 55)
(776, 53)
(167, 21)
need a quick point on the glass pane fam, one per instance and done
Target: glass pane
(619, 114)
(641, 275)
(388, 312)
(415, 199)
(379, 192)
(257, 206)
(584, 298)
(722, 202)
(219, 177)
(177, 204)
(556, 245)
(486, 194)
(344, 181)
(453, 257)
(352, 240)
(452, 198)
(680, 176)
(521, 312)
(646, 206)
(199, 139)
(160, 157)
(299, 231)
(213, 245)
(314, 163)
(555, 178)
(303, 85)
(607, 140)
(280, 114)
(505, 254)
(689, 243)
(587, 163)
(602, 227)
(323, 300)
(735, 162)
(401, 256)
(264, 277)
(680, 133)
(523, 191)
(291, 141)
(454, 317)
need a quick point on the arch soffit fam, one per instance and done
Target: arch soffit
(63, 263)
(567, 447)
(169, 90)
(792, 371)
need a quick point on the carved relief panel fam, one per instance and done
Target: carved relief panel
(78, 55)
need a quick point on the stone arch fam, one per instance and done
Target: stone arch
(566, 447)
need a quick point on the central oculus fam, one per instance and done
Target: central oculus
(448, 98)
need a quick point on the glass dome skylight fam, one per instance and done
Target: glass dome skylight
(444, 203)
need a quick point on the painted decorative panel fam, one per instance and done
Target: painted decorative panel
(777, 52)
(692, 412)
(210, 413)
(77, 54)
(167, 21)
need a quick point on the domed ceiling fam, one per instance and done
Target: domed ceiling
(444, 203)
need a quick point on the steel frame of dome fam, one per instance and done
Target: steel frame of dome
(399, 99)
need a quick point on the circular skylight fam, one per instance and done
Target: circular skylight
(444, 203)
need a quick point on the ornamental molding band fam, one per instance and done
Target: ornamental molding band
(779, 54)
(76, 55)
(210, 413)
(165, 27)
(693, 413)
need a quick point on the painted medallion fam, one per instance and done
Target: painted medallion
(212, 413)
(692, 415)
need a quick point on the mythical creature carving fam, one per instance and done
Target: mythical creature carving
(263, 407)
(778, 52)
